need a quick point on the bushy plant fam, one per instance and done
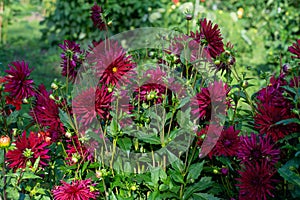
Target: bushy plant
(172, 120)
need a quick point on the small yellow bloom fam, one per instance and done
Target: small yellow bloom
(240, 13)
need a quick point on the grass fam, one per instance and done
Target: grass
(23, 43)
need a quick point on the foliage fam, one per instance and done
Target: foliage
(174, 120)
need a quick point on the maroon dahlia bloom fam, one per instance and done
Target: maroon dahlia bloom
(266, 118)
(295, 49)
(45, 112)
(152, 92)
(77, 190)
(97, 17)
(210, 36)
(258, 149)
(273, 93)
(103, 102)
(213, 95)
(72, 58)
(17, 81)
(112, 66)
(228, 143)
(256, 181)
(28, 149)
(84, 106)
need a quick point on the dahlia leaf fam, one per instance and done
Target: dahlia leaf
(204, 183)
(288, 121)
(289, 175)
(195, 171)
(204, 196)
(28, 175)
(124, 143)
(65, 119)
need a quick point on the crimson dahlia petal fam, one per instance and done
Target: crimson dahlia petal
(266, 118)
(210, 36)
(295, 49)
(103, 102)
(84, 106)
(212, 96)
(258, 149)
(227, 144)
(112, 66)
(17, 81)
(45, 111)
(77, 190)
(28, 149)
(256, 181)
(72, 58)
(97, 17)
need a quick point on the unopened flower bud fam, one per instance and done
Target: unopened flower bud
(217, 62)
(54, 86)
(215, 171)
(51, 96)
(68, 134)
(25, 101)
(224, 171)
(189, 17)
(245, 84)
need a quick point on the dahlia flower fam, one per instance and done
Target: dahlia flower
(77, 190)
(28, 149)
(112, 66)
(256, 181)
(97, 17)
(72, 58)
(258, 149)
(295, 49)
(17, 81)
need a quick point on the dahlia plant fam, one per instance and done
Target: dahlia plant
(173, 121)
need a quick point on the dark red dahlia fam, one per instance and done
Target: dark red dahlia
(77, 190)
(256, 181)
(103, 102)
(77, 152)
(98, 17)
(17, 81)
(213, 95)
(84, 106)
(72, 58)
(295, 49)
(45, 111)
(152, 93)
(273, 93)
(210, 36)
(266, 118)
(28, 149)
(228, 143)
(258, 149)
(112, 66)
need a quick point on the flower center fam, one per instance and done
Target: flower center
(114, 69)
(256, 154)
(227, 143)
(27, 153)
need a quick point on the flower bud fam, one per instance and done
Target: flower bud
(4, 141)
(189, 17)
(54, 86)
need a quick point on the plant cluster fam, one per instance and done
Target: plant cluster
(171, 122)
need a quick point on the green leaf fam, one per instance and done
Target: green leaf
(151, 139)
(65, 119)
(125, 143)
(28, 175)
(204, 183)
(195, 170)
(176, 176)
(204, 196)
(288, 121)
